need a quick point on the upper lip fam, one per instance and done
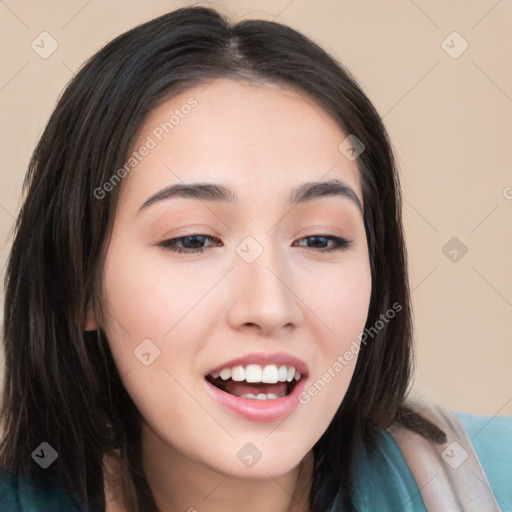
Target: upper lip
(277, 358)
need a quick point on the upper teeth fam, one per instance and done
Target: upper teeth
(269, 374)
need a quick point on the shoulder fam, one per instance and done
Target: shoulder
(382, 480)
(17, 495)
(472, 466)
(491, 438)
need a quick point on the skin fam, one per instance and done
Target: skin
(261, 140)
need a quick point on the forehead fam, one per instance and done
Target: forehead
(258, 138)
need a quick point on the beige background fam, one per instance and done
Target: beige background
(449, 119)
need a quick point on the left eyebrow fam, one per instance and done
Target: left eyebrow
(319, 189)
(218, 192)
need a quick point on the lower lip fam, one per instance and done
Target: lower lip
(258, 410)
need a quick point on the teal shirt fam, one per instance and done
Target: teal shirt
(384, 484)
(491, 438)
(25, 498)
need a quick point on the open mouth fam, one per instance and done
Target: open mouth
(256, 382)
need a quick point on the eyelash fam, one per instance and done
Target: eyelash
(339, 243)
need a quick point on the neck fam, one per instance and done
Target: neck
(181, 484)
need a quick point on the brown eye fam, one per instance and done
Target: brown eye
(320, 242)
(189, 243)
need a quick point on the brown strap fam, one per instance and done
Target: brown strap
(449, 477)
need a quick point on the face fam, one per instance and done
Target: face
(230, 309)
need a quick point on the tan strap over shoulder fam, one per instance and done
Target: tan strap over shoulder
(449, 477)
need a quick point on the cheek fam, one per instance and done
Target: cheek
(155, 308)
(146, 295)
(153, 340)
(354, 301)
(341, 299)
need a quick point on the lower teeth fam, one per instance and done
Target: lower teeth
(261, 396)
(221, 384)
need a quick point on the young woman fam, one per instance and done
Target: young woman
(207, 305)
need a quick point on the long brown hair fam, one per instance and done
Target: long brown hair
(61, 385)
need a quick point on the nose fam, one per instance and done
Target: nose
(263, 295)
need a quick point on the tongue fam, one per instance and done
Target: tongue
(242, 388)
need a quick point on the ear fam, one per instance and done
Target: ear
(91, 323)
